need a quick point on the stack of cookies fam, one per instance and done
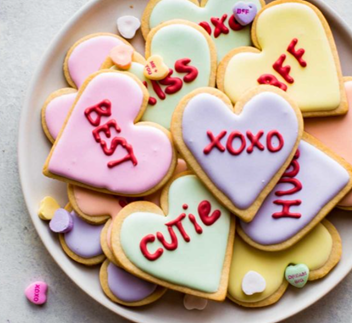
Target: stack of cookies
(208, 165)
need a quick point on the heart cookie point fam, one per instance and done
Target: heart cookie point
(253, 283)
(245, 12)
(155, 69)
(128, 26)
(297, 275)
(194, 303)
(62, 222)
(36, 292)
(121, 55)
(47, 208)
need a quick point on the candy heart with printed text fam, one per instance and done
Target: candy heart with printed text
(185, 246)
(102, 146)
(294, 51)
(215, 16)
(239, 153)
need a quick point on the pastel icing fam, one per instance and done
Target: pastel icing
(88, 56)
(242, 177)
(172, 43)
(205, 251)
(77, 156)
(313, 250)
(84, 239)
(335, 133)
(127, 287)
(315, 87)
(166, 10)
(321, 178)
(57, 111)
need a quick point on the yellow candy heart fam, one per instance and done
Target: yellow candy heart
(155, 69)
(47, 208)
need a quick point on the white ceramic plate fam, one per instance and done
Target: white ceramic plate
(100, 16)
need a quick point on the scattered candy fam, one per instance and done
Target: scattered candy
(36, 292)
(47, 208)
(127, 26)
(253, 283)
(297, 275)
(194, 303)
(121, 55)
(244, 12)
(155, 69)
(62, 222)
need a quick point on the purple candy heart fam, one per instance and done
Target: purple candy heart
(62, 222)
(244, 12)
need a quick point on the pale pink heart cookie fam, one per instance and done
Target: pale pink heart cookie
(336, 133)
(101, 147)
(36, 292)
(241, 154)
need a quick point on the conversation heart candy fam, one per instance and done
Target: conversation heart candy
(47, 208)
(253, 283)
(244, 12)
(128, 26)
(36, 292)
(121, 55)
(194, 303)
(155, 69)
(297, 275)
(62, 222)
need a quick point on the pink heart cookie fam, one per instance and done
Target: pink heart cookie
(102, 148)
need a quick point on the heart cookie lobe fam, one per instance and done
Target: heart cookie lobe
(188, 249)
(238, 153)
(216, 17)
(101, 147)
(289, 55)
(313, 184)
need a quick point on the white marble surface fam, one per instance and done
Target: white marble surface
(26, 28)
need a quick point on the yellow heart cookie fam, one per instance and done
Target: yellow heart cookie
(47, 208)
(155, 69)
(296, 52)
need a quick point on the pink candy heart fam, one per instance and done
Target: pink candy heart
(36, 292)
(244, 12)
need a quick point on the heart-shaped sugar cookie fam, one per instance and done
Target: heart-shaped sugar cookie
(215, 16)
(102, 148)
(188, 249)
(241, 154)
(296, 52)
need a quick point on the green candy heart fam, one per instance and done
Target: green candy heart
(297, 275)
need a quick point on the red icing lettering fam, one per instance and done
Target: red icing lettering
(143, 246)
(185, 206)
(255, 141)
(106, 129)
(130, 155)
(169, 246)
(269, 142)
(206, 26)
(215, 142)
(152, 101)
(178, 223)
(219, 25)
(297, 54)
(229, 145)
(293, 169)
(204, 209)
(181, 66)
(174, 84)
(197, 227)
(234, 25)
(102, 109)
(284, 71)
(285, 213)
(157, 89)
(297, 186)
(272, 80)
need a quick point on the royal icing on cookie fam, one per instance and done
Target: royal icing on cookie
(127, 287)
(294, 43)
(216, 17)
(335, 133)
(314, 250)
(312, 180)
(87, 55)
(195, 233)
(84, 238)
(135, 159)
(190, 55)
(238, 153)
